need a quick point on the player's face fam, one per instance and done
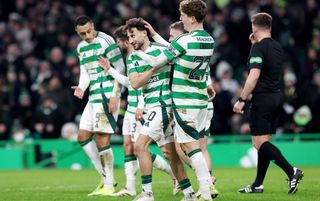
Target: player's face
(122, 45)
(86, 32)
(186, 20)
(137, 38)
(174, 33)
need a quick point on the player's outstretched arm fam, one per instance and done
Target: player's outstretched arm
(105, 64)
(156, 62)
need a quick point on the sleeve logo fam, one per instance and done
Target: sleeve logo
(257, 60)
(173, 51)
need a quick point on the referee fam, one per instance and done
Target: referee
(264, 63)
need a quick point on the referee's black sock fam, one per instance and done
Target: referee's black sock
(270, 151)
(262, 167)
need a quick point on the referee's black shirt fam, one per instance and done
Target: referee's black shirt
(268, 56)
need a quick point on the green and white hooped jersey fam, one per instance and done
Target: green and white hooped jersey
(99, 81)
(133, 95)
(192, 53)
(156, 91)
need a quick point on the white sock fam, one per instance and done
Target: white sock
(92, 152)
(161, 164)
(146, 182)
(202, 172)
(130, 168)
(106, 157)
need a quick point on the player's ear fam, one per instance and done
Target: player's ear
(193, 20)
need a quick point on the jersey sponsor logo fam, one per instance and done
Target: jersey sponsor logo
(154, 79)
(257, 60)
(204, 39)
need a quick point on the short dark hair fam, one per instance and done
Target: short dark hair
(82, 20)
(121, 33)
(179, 26)
(195, 8)
(262, 20)
(136, 23)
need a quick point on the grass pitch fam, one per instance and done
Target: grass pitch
(68, 185)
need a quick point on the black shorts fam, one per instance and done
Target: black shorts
(264, 113)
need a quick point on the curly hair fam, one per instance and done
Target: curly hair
(195, 8)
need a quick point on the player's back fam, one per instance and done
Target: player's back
(189, 87)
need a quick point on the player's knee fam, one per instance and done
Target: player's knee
(84, 135)
(138, 148)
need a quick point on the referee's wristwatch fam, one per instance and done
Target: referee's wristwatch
(240, 99)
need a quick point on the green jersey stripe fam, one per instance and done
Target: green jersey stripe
(157, 88)
(135, 57)
(115, 58)
(157, 99)
(189, 83)
(141, 69)
(188, 95)
(99, 90)
(110, 48)
(101, 79)
(155, 53)
(92, 58)
(90, 47)
(178, 47)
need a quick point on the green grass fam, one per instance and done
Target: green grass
(68, 185)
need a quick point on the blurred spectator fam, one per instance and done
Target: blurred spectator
(310, 95)
(69, 131)
(22, 33)
(48, 118)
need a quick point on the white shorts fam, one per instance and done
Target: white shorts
(210, 111)
(158, 125)
(131, 126)
(94, 119)
(188, 123)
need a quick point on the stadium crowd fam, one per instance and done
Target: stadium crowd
(39, 63)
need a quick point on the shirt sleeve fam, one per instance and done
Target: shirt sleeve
(123, 80)
(114, 55)
(160, 40)
(175, 49)
(255, 59)
(84, 79)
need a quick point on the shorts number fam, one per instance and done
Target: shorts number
(196, 74)
(97, 120)
(134, 127)
(152, 115)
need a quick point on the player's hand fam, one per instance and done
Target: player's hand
(104, 63)
(211, 92)
(238, 107)
(139, 114)
(150, 28)
(113, 104)
(77, 92)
